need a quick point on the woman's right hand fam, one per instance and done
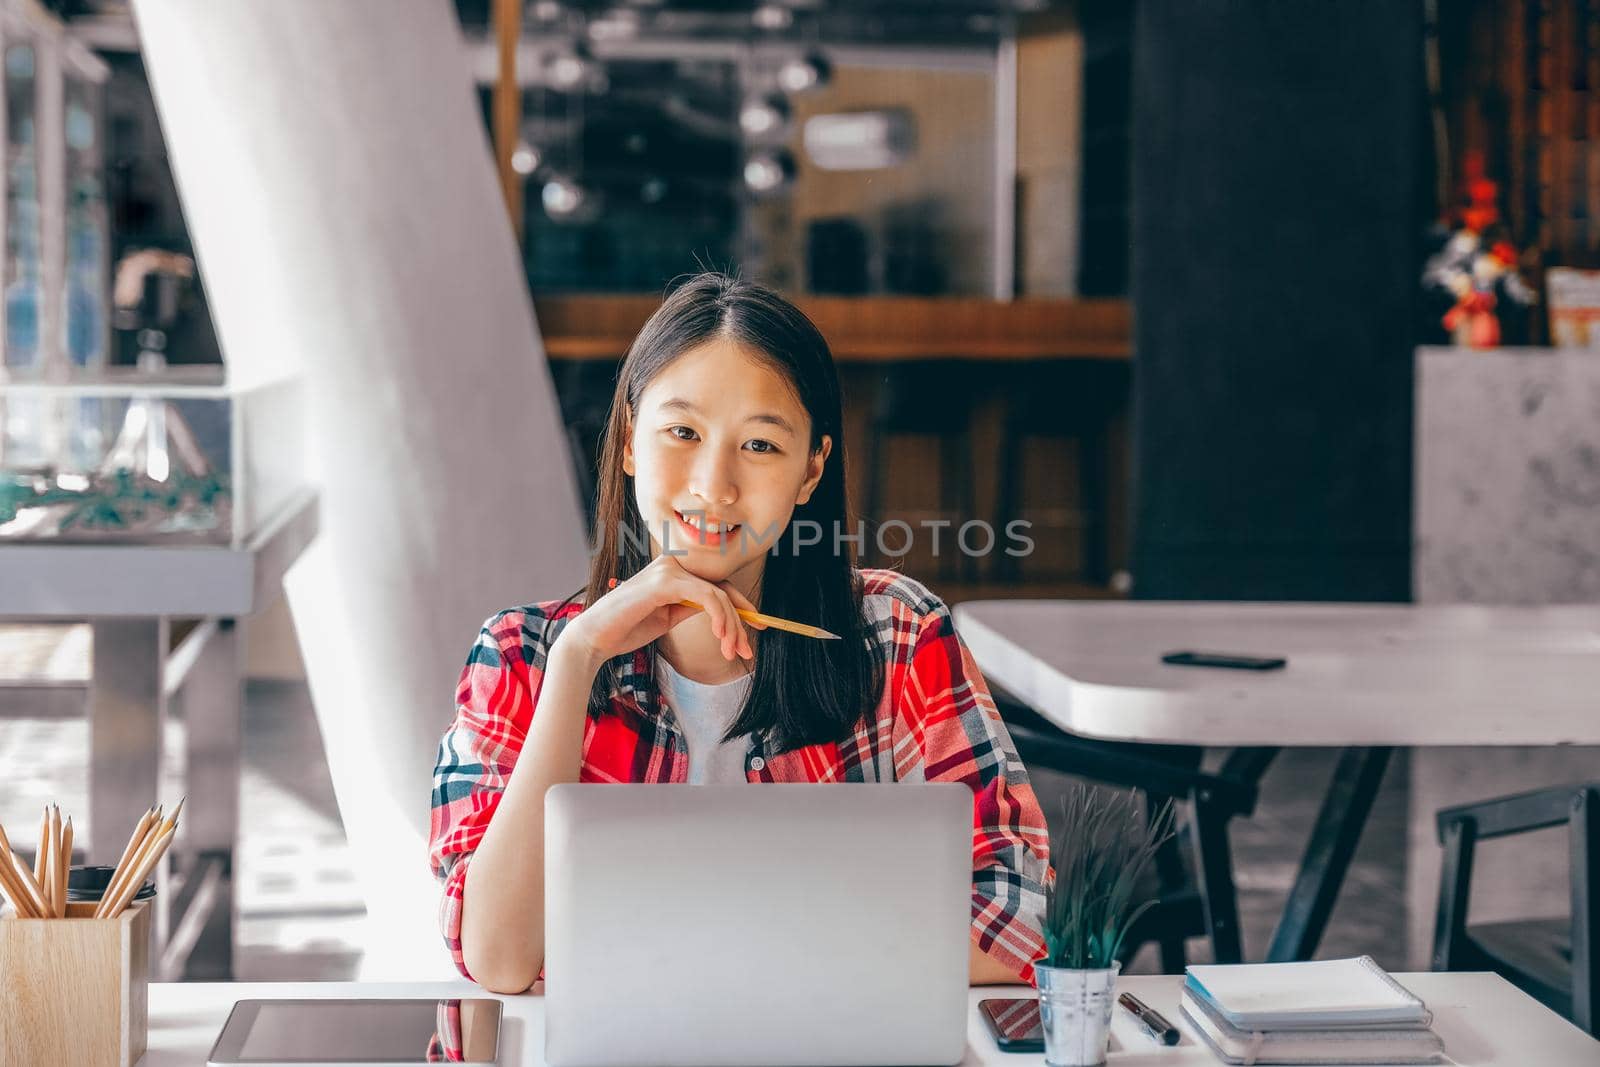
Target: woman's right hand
(647, 605)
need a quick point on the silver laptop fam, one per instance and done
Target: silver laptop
(765, 925)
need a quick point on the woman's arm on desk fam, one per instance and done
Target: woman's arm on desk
(947, 717)
(518, 729)
(521, 713)
(984, 969)
(502, 917)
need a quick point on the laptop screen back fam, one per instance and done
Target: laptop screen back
(761, 925)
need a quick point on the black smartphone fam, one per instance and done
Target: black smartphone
(1014, 1024)
(1224, 659)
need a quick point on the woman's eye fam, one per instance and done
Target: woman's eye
(763, 447)
(682, 433)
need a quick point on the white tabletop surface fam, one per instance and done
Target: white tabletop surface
(1358, 674)
(1482, 1019)
(48, 580)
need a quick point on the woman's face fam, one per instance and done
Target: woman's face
(719, 451)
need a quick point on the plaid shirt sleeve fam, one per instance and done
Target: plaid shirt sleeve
(494, 705)
(947, 721)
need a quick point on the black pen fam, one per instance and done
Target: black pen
(1154, 1023)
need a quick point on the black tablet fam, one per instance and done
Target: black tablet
(359, 1033)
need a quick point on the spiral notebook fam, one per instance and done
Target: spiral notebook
(1313, 995)
(1341, 1045)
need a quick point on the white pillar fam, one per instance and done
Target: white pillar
(340, 192)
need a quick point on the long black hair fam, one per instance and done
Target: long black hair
(805, 691)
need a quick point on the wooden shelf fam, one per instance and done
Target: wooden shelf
(875, 329)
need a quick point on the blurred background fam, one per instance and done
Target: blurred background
(1230, 301)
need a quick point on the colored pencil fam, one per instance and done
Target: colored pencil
(12, 888)
(130, 856)
(32, 887)
(42, 856)
(44, 865)
(11, 861)
(63, 868)
(134, 838)
(770, 621)
(57, 889)
(147, 863)
(137, 869)
(11, 881)
(774, 622)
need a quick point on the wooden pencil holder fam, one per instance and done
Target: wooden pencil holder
(76, 989)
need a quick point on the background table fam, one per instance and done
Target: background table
(1363, 677)
(131, 594)
(1483, 1020)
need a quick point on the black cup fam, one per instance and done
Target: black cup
(86, 885)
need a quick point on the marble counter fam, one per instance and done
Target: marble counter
(1507, 511)
(1507, 498)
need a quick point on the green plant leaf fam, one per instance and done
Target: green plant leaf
(1103, 845)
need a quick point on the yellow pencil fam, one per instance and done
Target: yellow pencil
(147, 863)
(772, 621)
(133, 841)
(42, 856)
(64, 868)
(13, 874)
(130, 858)
(11, 887)
(157, 838)
(803, 629)
(44, 864)
(24, 876)
(60, 869)
(53, 871)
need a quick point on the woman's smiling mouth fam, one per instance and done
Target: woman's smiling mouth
(704, 532)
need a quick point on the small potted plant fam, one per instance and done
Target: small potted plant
(1101, 850)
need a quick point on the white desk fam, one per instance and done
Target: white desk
(130, 593)
(1358, 674)
(1483, 1020)
(1366, 677)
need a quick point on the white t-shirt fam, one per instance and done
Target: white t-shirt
(703, 713)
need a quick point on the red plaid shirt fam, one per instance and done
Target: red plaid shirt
(935, 722)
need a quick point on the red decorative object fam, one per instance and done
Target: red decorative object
(1477, 265)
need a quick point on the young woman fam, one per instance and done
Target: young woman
(722, 482)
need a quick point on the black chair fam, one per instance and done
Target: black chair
(1075, 401)
(1556, 962)
(931, 400)
(1202, 905)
